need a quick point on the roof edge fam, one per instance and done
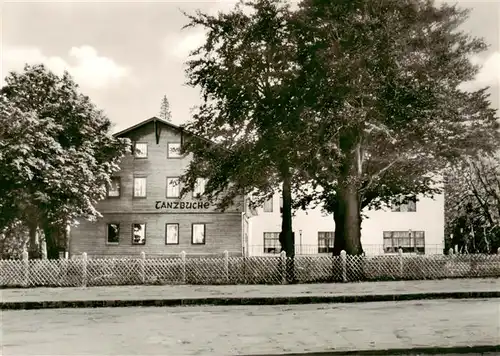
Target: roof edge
(180, 128)
(145, 122)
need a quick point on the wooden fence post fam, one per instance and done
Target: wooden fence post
(449, 268)
(245, 271)
(283, 266)
(143, 267)
(26, 269)
(343, 265)
(226, 266)
(64, 272)
(183, 266)
(401, 267)
(43, 249)
(84, 269)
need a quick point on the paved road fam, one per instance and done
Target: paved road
(248, 291)
(250, 329)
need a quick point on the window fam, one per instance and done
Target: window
(199, 187)
(171, 234)
(173, 150)
(325, 241)
(173, 185)
(281, 205)
(268, 205)
(405, 205)
(198, 234)
(140, 150)
(138, 234)
(272, 242)
(114, 188)
(139, 187)
(113, 233)
(409, 241)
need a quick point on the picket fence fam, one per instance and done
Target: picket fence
(224, 269)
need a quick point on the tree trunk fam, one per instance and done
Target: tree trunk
(286, 239)
(339, 220)
(52, 242)
(351, 226)
(347, 218)
(286, 235)
(67, 239)
(34, 250)
(348, 202)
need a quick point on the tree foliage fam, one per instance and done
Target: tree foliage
(249, 107)
(384, 94)
(362, 100)
(56, 153)
(13, 239)
(472, 204)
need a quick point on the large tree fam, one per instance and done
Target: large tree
(360, 99)
(250, 112)
(56, 154)
(384, 100)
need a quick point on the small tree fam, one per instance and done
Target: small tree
(472, 205)
(56, 154)
(13, 240)
(165, 113)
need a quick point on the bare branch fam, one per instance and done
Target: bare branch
(379, 174)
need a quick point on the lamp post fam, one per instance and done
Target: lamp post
(409, 241)
(300, 241)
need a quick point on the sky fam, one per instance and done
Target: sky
(127, 55)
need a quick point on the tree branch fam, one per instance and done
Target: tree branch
(482, 203)
(378, 174)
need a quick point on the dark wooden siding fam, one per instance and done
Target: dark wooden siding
(223, 230)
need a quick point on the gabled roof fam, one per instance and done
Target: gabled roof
(145, 122)
(153, 119)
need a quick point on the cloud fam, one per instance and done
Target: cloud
(189, 42)
(223, 6)
(489, 73)
(88, 68)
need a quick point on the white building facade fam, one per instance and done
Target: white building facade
(417, 227)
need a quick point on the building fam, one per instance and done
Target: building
(143, 211)
(416, 227)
